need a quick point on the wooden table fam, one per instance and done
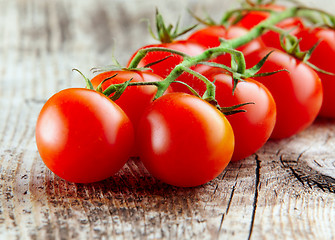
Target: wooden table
(285, 191)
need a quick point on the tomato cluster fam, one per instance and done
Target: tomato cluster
(86, 135)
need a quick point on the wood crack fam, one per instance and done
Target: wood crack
(254, 205)
(307, 175)
(228, 206)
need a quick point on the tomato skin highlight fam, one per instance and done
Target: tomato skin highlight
(252, 128)
(184, 141)
(135, 99)
(82, 136)
(297, 93)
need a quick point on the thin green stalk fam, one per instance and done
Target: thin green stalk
(112, 88)
(225, 19)
(210, 92)
(262, 26)
(143, 52)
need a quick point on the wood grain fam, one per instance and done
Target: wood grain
(284, 191)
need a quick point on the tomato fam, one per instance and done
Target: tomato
(210, 37)
(184, 140)
(270, 38)
(164, 67)
(322, 57)
(297, 93)
(82, 136)
(252, 128)
(291, 25)
(253, 17)
(134, 99)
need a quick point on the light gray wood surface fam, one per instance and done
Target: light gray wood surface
(285, 191)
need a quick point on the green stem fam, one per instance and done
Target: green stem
(225, 19)
(237, 57)
(262, 26)
(143, 52)
(293, 42)
(308, 13)
(283, 32)
(113, 88)
(210, 92)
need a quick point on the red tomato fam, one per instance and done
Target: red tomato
(164, 68)
(270, 38)
(82, 136)
(252, 18)
(252, 128)
(184, 140)
(210, 37)
(323, 57)
(134, 99)
(297, 93)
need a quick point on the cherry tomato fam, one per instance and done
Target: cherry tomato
(184, 140)
(252, 128)
(270, 38)
(322, 57)
(291, 25)
(252, 18)
(164, 67)
(134, 99)
(82, 136)
(210, 37)
(297, 93)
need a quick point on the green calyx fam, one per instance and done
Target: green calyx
(291, 45)
(167, 34)
(114, 91)
(239, 70)
(208, 20)
(87, 81)
(259, 2)
(234, 109)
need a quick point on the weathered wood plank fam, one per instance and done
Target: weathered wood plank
(285, 191)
